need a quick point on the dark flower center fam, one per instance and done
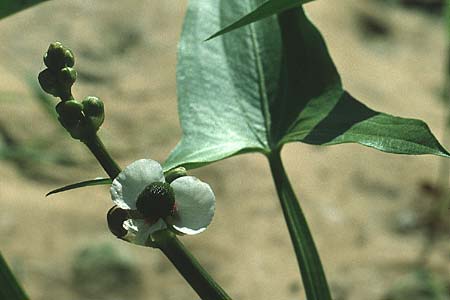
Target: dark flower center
(156, 201)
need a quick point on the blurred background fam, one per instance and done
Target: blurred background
(372, 214)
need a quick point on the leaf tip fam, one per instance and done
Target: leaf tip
(212, 36)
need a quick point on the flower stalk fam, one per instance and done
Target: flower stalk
(97, 148)
(188, 266)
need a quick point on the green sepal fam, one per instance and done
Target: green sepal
(175, 173)
(115, 218)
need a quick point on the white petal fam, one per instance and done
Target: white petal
(142, 229)
(195, 203)
(127, 186)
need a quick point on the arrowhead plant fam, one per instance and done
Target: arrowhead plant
(252, 76)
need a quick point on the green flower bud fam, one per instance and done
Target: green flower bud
(156, 201)
(173, 174)
(58, 57)
(94, 110)
(67, 76)
(47, 80)
(70, 115)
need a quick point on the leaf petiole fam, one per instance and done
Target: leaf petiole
(313, 275)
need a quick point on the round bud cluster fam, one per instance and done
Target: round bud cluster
(59, 76)
(83, 119)
(156, 201)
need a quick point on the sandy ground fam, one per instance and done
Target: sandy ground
(354, 197)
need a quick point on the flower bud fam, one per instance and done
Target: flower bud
(70, 115)
(58, 57)
(48, 82)
(67, 77)
(94, 110)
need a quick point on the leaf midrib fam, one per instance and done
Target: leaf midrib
(264, 101)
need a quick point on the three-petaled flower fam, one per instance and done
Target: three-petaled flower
(186, 204)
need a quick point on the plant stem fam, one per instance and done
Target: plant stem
(313, 276)
(189, 267)
(97, 148)
(9, 287)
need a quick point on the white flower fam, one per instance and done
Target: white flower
(194, 200)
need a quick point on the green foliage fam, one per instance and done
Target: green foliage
(267, 9)
(10, 289)
(92, 182)
(9, 7)
(271, 83)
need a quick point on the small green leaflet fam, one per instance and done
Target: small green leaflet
(9, 7)
(265, 10)
(92, 182)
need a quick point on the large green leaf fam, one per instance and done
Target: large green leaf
(9, 7)
(10, 288)
(269, 83)
(267, 9)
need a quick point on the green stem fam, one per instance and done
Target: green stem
(9, 287)
(189, 267)
(313, 276)
(97, 148)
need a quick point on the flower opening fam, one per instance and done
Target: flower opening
(142, 187)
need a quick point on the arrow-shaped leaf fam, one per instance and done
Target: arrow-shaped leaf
(268, 84)
(92, 182)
